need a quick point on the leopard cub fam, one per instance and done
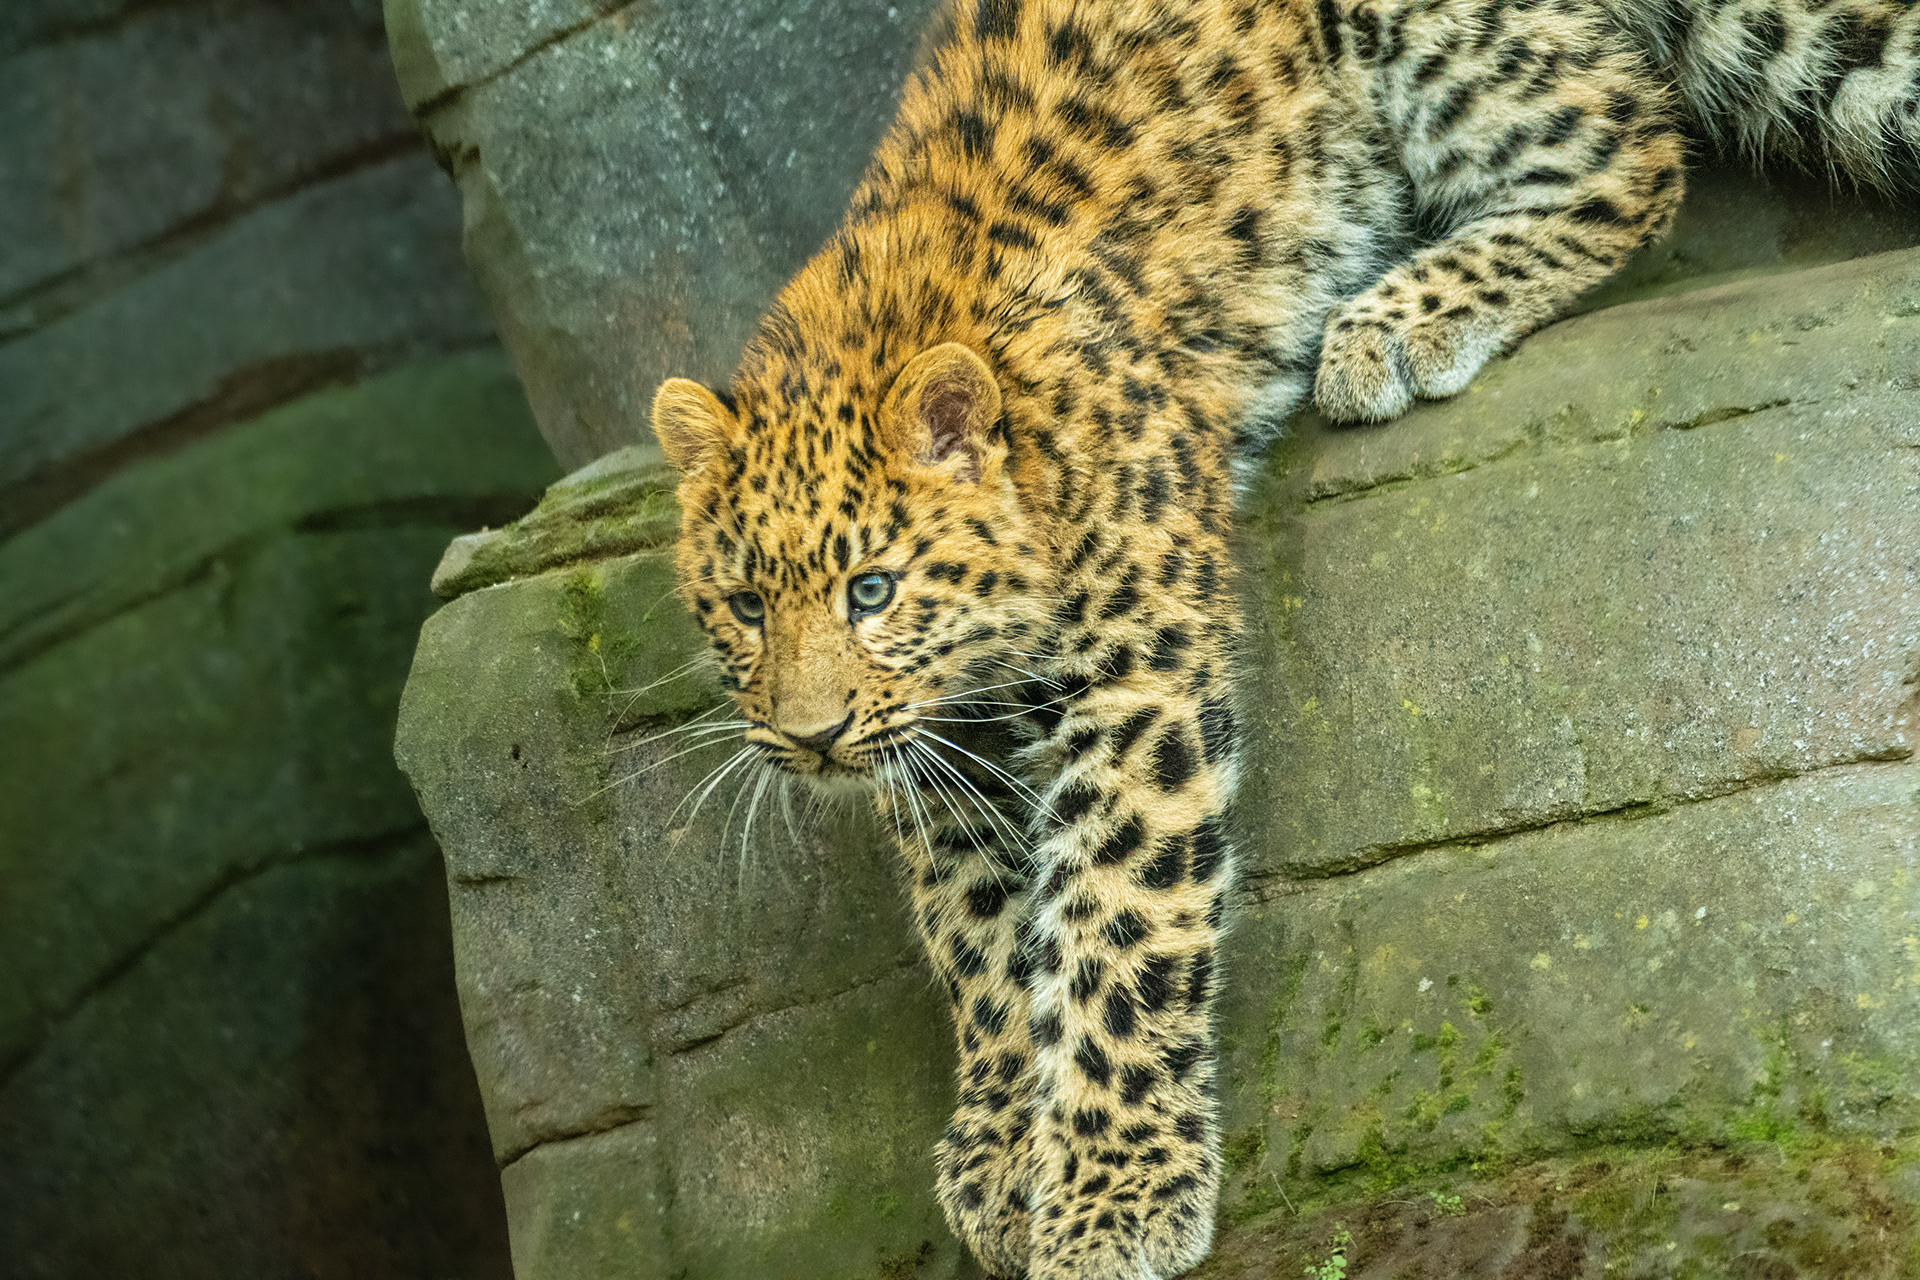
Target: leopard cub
(957, 528)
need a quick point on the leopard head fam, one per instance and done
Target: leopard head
(858, 555)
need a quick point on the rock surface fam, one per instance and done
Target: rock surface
(227, 1041)
(273, 1087)
(193, 651)
(1581, 822)
(639, 179)
(250, 391)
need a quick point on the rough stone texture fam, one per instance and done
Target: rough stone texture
(1628, 632)
(1730, 471)
(623, 502)
(134, 130)
(639, 179)
(229, 1044)
(275, 1088)
(205, 653)
(569, 1015)
(1582, 827)
(227, 1040)
(324, 286)
(1703, 973)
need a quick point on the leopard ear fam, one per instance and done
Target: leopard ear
(943, 403)
(691, 422)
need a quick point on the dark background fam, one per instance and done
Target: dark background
(247, 393)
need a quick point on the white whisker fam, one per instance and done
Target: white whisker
(746, 783)
(698, 722)
(948, 797)
(1011, 715)
(955, 697)
(680, 672)
(712, 780)
(999, 822)
(705, 731)
(786, 807)
(912, 793)
(644, 770)
(995, 769)
(753, 807)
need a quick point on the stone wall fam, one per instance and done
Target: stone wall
(250, 392)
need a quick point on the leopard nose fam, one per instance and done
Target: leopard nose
(820, 740)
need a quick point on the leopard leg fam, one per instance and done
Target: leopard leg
(1546, 145)
(1135, 866)
(963, 846)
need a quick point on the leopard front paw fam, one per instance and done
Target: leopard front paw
(1376, 359)
(1364, 373)
(980, 1191)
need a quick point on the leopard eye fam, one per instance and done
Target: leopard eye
(748, 607)
(869, 593)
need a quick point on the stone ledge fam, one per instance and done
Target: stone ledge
(359, 265)
(1692, 359)
(615, 506)
(1384, 599)
(1720, 972)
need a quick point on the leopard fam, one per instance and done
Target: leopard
(957, 529)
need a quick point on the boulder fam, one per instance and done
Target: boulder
(228, 1042)
(1579, 827)
(639, 181)
(250, 389)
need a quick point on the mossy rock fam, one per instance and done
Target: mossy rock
(1580, 827)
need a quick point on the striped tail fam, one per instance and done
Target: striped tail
(1833, 85)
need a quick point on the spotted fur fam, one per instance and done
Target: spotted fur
(1104, 250)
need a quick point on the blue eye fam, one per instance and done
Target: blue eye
(869, 593)
(748, 607)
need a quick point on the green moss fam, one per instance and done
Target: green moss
(1823, 1210)
(583, 618)
(1764, 1119)
(1244, 1150)
(1293, 974)
(1513, 1092)
(1448, 1042)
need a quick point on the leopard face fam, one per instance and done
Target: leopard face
(860, 564)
